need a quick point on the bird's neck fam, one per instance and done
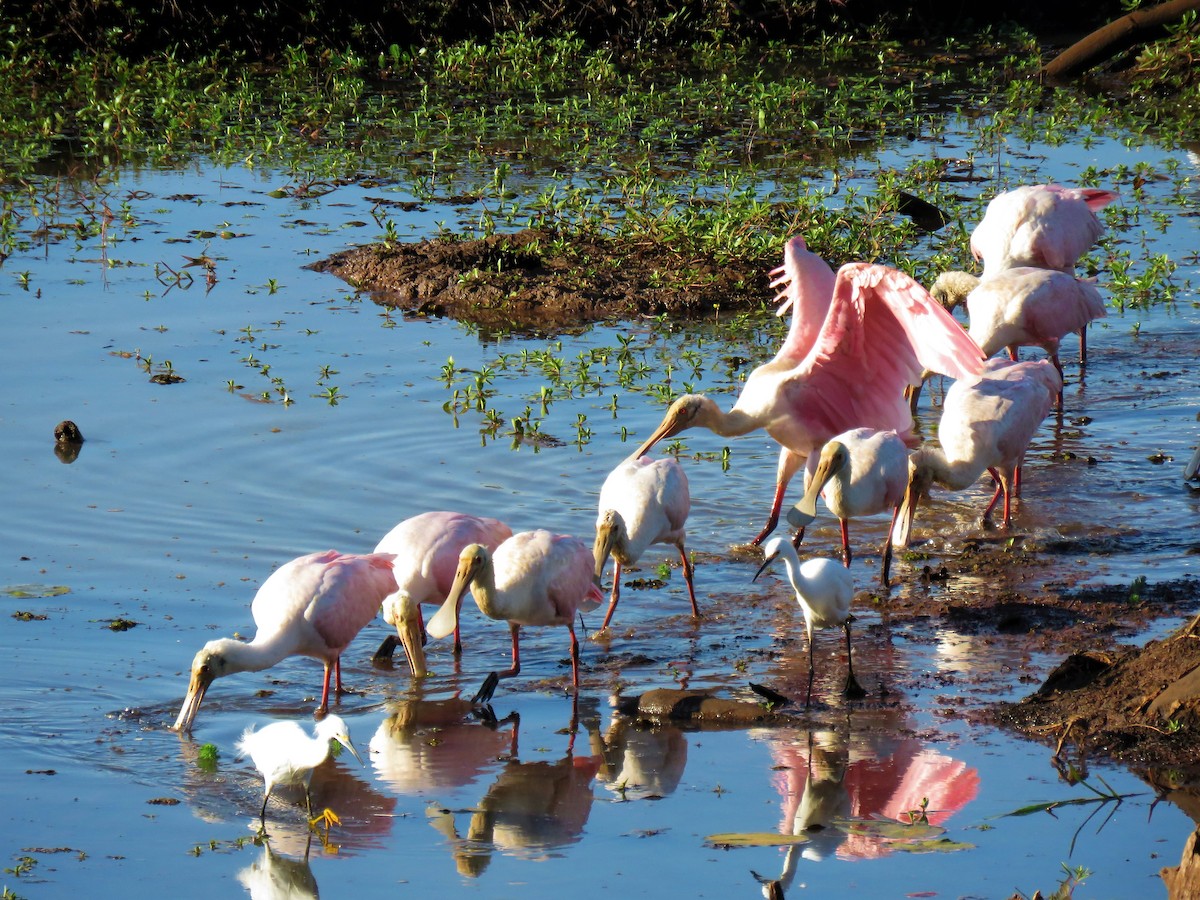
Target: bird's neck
(734, 423)
(259, 654)
(954, 474)
(483, 589)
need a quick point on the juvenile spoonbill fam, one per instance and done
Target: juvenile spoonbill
(312, 606)
(824, 590)
(426, 548)
(284, 753)
(858, 473)
(533, 578)
(987, 423)
(1023, 307)
(642, 502)
(1045, 225)
(880, 332)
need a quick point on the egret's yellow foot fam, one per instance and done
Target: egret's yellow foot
(328, 818)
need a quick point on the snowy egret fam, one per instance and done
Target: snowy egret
(427, 548)
(824, 590)
(860, 472)
(881, 331)
(284, 753)
(533, 578)
(642, 502)
(312, 606)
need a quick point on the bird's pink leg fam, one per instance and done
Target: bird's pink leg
(887, 551)
(845, 543)
(616, 594)
(324, 707)
(1058, 366)
(688, 570)
(574, 659)
(996, 496)
(1083, 346)
(799, 538)
(1012, 352)
(516, 653)
(789, 464)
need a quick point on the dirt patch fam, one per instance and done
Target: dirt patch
(540, 282)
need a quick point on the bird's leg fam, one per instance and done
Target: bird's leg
(1083, 346)
(324, 707)
(688, 571)
(616, 594)
(845, 543)
(484, 694)
(1058, 400)
(886, 567)
(798, 539)
(789, 464)
(262, 813)
(574, 660)
(337, 668)
(854, 690)
(996, 496)
(811, 671)
(1012, 352)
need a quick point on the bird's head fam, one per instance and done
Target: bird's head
(772, 550)
(471, 561)
(208, 665)
(401, 610)
(334, 728)
(687, 412)
(920, 477)
(835, 456)
(609, 528)
(952, 288)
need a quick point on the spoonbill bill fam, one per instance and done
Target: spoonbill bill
(880, 331)
(314, 606)
(426, 548)
(642, 502)
(1045, 225)
(858, 473)
(533, 578)
(284, 754)
(824, 590)
(1023, 307)
(987, 423)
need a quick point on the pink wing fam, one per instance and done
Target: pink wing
(806, 283)
(570, 584)
(883, 329)
(427, 547)
(347, 592)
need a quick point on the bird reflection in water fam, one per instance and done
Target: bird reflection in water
(640, 761)
(824, 776)
(276, 877)
(531, 810)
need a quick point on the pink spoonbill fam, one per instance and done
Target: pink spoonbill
(642, 502)
(858, 473)
(426, 548)
(1046, 226)
(880, 331)
(824, 590)
(314, 606)
(533, 578)
(987, 423)
(1023, 307)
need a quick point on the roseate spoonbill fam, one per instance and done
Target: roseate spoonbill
(1044, 225)
(312, 606)
(824, 591)
(882, 329)
(533, 578)
(987, 423)
(859, 472)
(427, 548)
(284, 754)
(1022, 307)
(642, 502)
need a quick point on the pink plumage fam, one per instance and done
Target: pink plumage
(427, 547)
(880, 332)
(1046, 226)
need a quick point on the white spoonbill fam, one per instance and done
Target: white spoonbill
(642, 502)
(858, 473)
(987, 423)
(533, 578)
(882, 329)
(1023, 307)
(314, 606)
(824, 590)
(284, 754)
(426, 547)
(1046, 225)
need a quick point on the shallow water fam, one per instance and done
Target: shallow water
(186, 496)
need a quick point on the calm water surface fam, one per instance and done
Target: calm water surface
(185, 497)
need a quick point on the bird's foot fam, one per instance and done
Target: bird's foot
(327, 819)
(853, 690)
(386, 649)
(486, 690)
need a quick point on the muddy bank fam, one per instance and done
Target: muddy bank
(539, 282)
